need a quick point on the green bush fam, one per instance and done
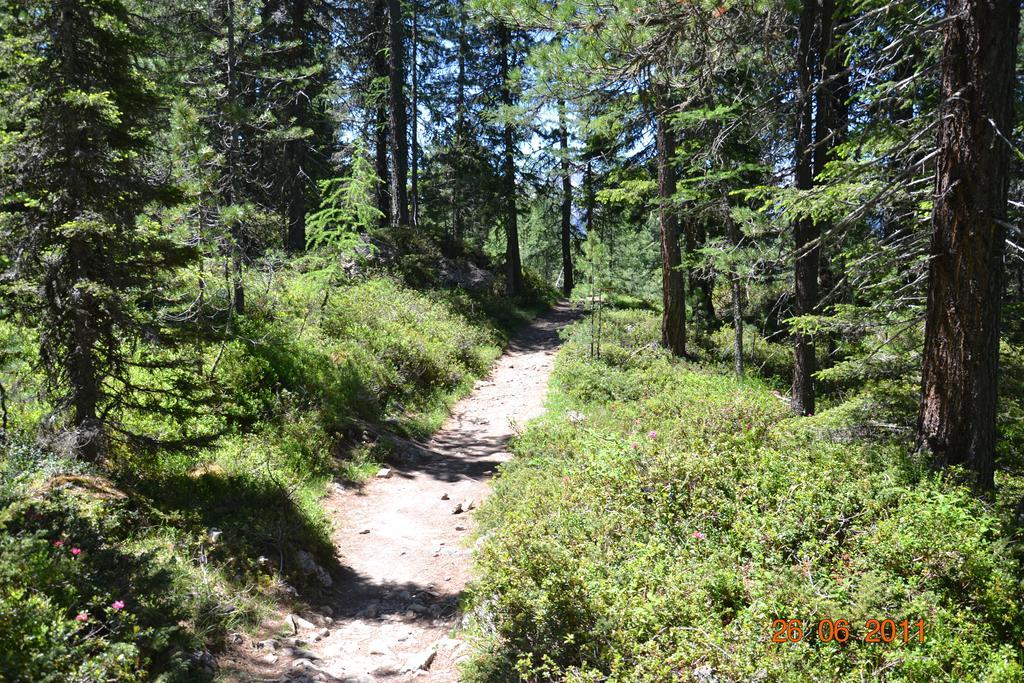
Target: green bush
(662, 515)
(75, 602)
(292, 385)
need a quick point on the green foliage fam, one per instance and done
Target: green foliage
(347, 205)
(80, 264)
(292, 390)
(76, 602)
(662, 515)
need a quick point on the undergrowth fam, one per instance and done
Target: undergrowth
(663, 514)
(132, 569)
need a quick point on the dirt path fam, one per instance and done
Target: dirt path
(404, 547)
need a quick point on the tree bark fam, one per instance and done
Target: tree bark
(381, 131)
(233, 171)
(458, 230)
(568, 281)
(806, 233)
(414, 193)
(957, 420)
(673, 282)
(82, 372)
(737, 301)
(399, 130)
(513, 263)
(705, 281)
(295, 150)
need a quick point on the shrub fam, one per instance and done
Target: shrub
(662, 515)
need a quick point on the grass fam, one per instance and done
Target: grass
(663, 514)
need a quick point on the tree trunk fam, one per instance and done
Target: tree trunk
(589, 197)
(513, 263)
(806, 233)
(829, 130)
(398, 123)
(414, 194)
(238, 289)
(673, 282)
(81, 367)
(458, 230)
(295, 150)
(737, 301)
(961, 347)
(705, 282)
(295, 194)
(381, 131)
(568, 281)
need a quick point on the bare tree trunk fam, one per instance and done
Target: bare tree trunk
(513, 263)
(398, 123)
(673, 282)
(806, 232)
(957, 421)
(568, 281)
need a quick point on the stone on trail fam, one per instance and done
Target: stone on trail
(297, 622)
(300, 655)
(457, 509)
(384, 473)
(420, 661)
(309, 566)
(444, 496)
(380, 647)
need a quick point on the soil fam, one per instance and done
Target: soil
(404, 548)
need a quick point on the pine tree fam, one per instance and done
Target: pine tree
(957, 422)
(80, 262)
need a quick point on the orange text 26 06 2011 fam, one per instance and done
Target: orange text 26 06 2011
(840, 631)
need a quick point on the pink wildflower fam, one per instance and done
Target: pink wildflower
(635, 445)
(698, 535)
(58, 544)
(117, 604)
(76, 551)
(82, 616)
(652, 434)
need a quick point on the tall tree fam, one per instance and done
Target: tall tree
(415, 110)
(398, 122)
(673, 282)
(297, 46)
(565, 162)
(377, 38)
(806, 232)
(74, 140)
(513, 262)
(956, 423)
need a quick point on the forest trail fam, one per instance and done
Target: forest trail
(402, 545)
